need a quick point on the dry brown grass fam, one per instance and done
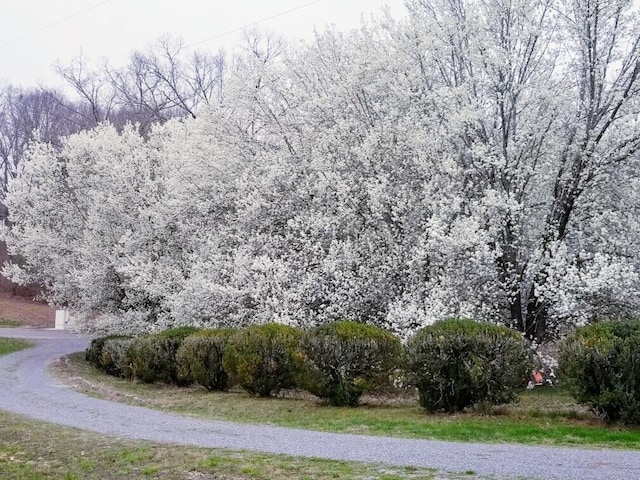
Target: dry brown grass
(25, 311)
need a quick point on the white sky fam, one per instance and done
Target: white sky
(37, 33)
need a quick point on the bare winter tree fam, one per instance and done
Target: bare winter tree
(95, 92)
(29, 114)
(157, 84)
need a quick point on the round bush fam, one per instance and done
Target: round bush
(342, 360)
(152, 358)
(115, 356)
(199, 359)
(94, 352)
(457, 364)
(260, 358)
(600, 366)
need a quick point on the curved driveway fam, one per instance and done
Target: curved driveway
(27, 389)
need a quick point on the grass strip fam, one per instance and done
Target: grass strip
(10, 345)
(4, 322)
(542, 417)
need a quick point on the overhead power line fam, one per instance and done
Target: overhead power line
(53, 24)
(213, 37)
(253, 24)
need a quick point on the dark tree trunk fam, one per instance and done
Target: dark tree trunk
(535, 325)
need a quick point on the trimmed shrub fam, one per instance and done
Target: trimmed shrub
(199, 358)
(261, 359)
(342, 360)
(458, 364)
(600, 366)
(94, 352)
(115, 356)
(152, 358)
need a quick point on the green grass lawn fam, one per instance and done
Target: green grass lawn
(10, 345)
(542, 417)
(9, 323)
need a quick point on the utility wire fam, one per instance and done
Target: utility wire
(57, 22)
(234, 30)
(253, 24)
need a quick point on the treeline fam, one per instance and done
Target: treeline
(473, 159)
(163, 82)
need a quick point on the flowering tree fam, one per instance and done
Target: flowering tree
(541, 103)
(69, 210)
(478, 158)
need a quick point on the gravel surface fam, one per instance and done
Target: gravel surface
(27, 389)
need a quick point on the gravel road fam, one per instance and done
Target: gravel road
(27, 389)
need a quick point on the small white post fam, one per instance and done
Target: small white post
(62, 319)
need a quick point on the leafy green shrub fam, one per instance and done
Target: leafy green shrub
(342, 360)
(600, 365)
(458, 364)
(152, 358)
(115, 356)
(199, 358)
(94, 352)
(261, 358)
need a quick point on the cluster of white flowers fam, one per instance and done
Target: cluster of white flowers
(405, 172)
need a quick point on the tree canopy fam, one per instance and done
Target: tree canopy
(476, 158)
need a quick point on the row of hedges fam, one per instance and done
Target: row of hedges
(455, 364)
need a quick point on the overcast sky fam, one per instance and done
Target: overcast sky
(37, 33)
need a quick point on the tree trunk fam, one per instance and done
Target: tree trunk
(535, 324)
